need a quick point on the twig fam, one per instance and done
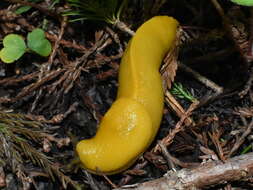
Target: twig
(173, 103)
(57, 118)
(208, 174)
(57, 42)
(66, 43)
(127, 177)
(109, 181)
(215, 136)
(248, 84)
(169, 138)
(115, 38)
(36, 85)
(91, 181)
(47, 66)
(201, 78)
(167, 156)
(123, 27)
(15, 80)
(240, 141)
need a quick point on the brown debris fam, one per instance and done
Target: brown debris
(208, 174)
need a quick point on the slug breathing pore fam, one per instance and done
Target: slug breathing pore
(130, 125)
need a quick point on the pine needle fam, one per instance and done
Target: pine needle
(180, 92)
(16, 135)
(100, 10)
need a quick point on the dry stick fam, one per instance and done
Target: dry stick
(167, 156)
(27, 90)
(173, 103)
(169, 138)
(173, 160)
(47, 66)
(57, 42)
(201, 78)
(241, 140)
(248, 84)
(66, 43)
(109, 181)
(208, 174)
(14, 80)
(55, 119)
(90, 180)
(123, 27)
(215, 137)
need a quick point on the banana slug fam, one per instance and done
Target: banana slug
(130, 125)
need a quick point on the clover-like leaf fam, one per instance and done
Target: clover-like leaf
(14, 48)
(37, 42)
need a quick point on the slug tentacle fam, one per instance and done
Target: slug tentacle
(130, 125)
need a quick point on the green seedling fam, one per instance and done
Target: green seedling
(107, 10)
(179, 91)
(14, 45)
(25, 8)
(243, 2)
(38, 43)
(14, 48)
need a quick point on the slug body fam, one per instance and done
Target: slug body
(130, 125)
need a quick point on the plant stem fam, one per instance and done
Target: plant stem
(123, 27)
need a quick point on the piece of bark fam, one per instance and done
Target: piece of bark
(208, 174)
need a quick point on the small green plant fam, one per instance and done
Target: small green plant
(14, 48)
(179, 91)
(37, 42)
(14, 45)
(102, 10)
(246, 149)
(25, 8)
(243, 2)
(108, 11)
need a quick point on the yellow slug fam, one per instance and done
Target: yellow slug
(130, 125)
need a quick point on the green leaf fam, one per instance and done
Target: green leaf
(100, 10)
(179, 91)
(243, 2)
(14, 48)
(37, 42)
(22, 9)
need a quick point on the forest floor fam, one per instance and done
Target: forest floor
(48, 104)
